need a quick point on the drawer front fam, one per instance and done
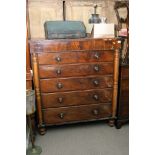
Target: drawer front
(62, 99)
(46, 71)
(76, 113)
(69, 84)
(73, 44)
(75, 57)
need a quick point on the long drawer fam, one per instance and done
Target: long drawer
(72, 45)
(84, 97)
(48, 71)
(75, 57)
(76, 113)
(75, 83)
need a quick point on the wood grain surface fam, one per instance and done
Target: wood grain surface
(84, 97)
(76, 113)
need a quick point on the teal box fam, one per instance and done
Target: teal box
(64, 29)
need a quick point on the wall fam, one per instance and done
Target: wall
(44, 10)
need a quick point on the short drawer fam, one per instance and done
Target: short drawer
(75, 57)
(61, 99)
(76, 83)
(73, 44)
(48, 71)
(76, 113)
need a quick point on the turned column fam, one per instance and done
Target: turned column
(115, 83)
(41, 125)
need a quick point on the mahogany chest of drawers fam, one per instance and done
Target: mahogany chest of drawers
(75, 80)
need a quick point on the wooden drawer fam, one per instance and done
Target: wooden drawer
(76, 113)
(48, 71)
(73, 44)
(69, 84)
(75, 57)
(50, 100)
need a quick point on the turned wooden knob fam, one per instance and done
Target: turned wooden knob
(58, 59)
(59, 85)
(96, 68)
(97, 56)
(58, 71)
(95, 111)
(96, 82)
(96, 97)
(60, 99)
(61, 115)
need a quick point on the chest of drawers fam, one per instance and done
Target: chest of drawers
(75, 80)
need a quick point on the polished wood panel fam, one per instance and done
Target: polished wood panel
(125, 84)
(50, 100)
(49, 71)
(69, 84)
(76, 113)
(58, 45)
(123, 96)
(68, 72)
(124, 112)
(125, 73)
(75, 57)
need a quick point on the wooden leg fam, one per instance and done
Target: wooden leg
(111, 122)
(42, 130)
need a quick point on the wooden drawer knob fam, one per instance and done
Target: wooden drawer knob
(60, 99)
(58, 59)
(95, 111)
(96, 97)
(58, 71)
(61, 115)
(59, 85)
(96, 82)
(96, 68)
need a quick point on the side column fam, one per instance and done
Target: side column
(41, 125)
(115, 83)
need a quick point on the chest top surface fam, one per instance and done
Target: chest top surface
(46, 46)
